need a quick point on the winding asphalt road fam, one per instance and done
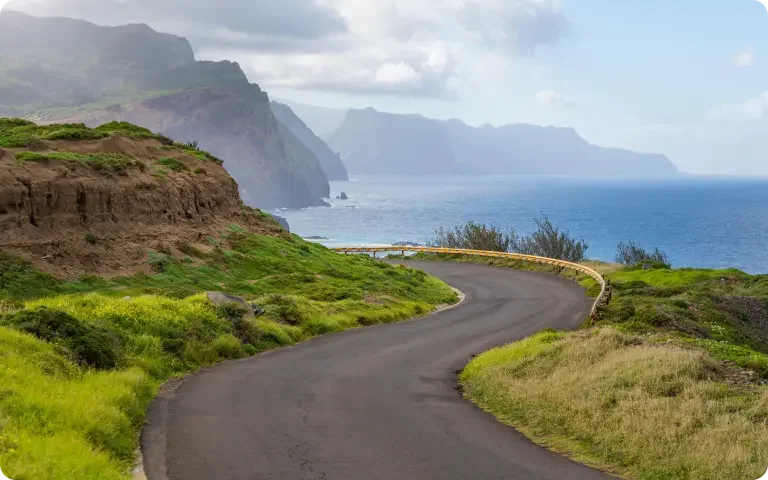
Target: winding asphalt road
(378, 403)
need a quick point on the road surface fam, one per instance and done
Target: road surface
(378, 403)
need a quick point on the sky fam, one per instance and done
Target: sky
(685, 78)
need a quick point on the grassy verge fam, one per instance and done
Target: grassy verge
(670, 383)
(82, 359)
(627, 405)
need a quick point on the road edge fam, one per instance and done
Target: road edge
(151, 463)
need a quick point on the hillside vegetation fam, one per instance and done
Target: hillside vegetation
(670, 381)
(83, 352)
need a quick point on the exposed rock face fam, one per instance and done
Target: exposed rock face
(48, 208)
(271, 166)
(331, 162)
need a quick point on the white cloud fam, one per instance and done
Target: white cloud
(551, 98)
(764, 3)
(745, 59)
(404, 47)
(397, 74)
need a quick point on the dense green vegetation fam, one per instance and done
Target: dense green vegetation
(83, 358)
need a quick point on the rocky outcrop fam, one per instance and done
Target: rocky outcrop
(331, 162)
(70, 218)
(272, 168)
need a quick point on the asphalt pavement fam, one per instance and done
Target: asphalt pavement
(378, 403)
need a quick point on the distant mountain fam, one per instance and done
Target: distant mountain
(372, 142)
(61, 69)
(332, 164)
(321, 120)
(533, 150)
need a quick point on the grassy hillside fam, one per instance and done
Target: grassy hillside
(627, 404)
(82, 359)
(669, 383)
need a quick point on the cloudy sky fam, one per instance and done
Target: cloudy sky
(688, 78)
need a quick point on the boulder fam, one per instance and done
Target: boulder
(219, 299)
(343, 196)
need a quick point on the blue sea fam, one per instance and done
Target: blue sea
(699, 222)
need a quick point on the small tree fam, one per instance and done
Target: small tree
(474, 236)
(549, 241)
(632, 253)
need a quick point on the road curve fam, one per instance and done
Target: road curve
(378, 403)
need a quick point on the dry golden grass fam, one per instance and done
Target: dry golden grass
(614, 401)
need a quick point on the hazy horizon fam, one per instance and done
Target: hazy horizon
(684, 80)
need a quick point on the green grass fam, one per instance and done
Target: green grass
(626, 404)
(103, 162)
(173, 164)
(688, 305)
(19, 133)
(62, 419)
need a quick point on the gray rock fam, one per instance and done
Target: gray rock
(343, 196)
(219, 299)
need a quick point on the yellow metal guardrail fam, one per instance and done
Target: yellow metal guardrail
(604, 291)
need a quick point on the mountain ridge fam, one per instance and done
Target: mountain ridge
(511, 149)
(62, 69)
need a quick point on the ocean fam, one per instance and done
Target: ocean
(698, 222)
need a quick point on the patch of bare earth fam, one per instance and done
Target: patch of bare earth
(70, 219)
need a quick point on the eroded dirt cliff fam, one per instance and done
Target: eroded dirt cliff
(100, 206)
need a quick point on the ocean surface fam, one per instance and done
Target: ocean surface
(699, 222)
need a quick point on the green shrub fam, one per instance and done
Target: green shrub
(90, 238)
(285, 308)
(93, 346)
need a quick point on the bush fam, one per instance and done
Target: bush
(93, 346)
(285, 308)
(546, 241)
(549, 241)
(90, 238)
(632, 254)
(474, 236)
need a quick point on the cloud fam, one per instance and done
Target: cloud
(400, 47)
(764, 3)
(745, 59)
(280, 25)
(551, 98)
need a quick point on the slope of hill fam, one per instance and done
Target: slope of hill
(58, 69)
(160, 223)
(371, 142)
(238, 126)
(60, 62)
(331, 162)
(77, 200)
(321, 120)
